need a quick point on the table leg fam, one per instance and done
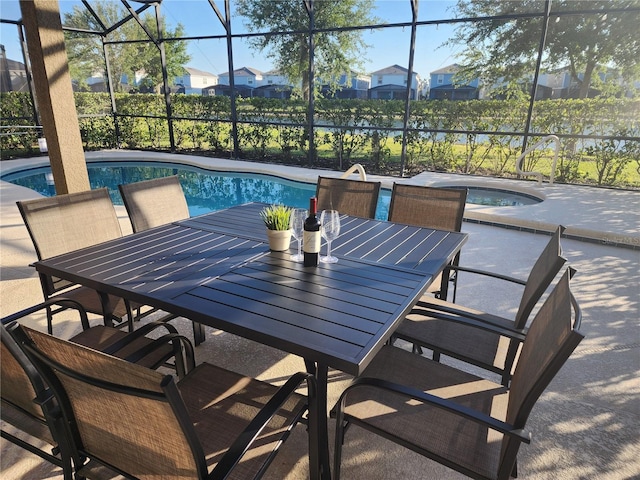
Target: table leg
(319, 463)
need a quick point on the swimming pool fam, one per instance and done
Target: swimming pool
(497, 197)
(205, 190)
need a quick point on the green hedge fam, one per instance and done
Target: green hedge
(350, 131)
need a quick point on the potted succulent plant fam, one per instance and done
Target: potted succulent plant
(276, 219)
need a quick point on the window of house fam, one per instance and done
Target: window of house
(440, 79)
(250, 81)
(380, 80)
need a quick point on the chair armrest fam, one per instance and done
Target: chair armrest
(61, 301)
(451, 314)
(249, 434)
(486, 273)
(139, 332)
(183, 364)
(452, 407)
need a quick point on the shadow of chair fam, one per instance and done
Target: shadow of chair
(350, 197)
(458, 419)
(156, 202)
(475, 336)
(124, 418)
(431, 207)
(27, 402)
(65, 223)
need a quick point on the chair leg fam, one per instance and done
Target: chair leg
(198, 333)
(337, 454)
(49, 321)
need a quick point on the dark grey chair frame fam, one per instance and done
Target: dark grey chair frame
(556, 344)
(432, 207)
(154, 202)
(20, 417)
(549, 263)
(95, 221)
(167, 393)
(358, 198)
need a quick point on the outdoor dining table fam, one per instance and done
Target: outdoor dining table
(217, 269)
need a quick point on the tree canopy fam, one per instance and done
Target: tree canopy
(597, 39)
(85, 50)
(336, 52)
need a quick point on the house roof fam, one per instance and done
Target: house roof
(195, 71)
(453, 68)
(392, 70)
(14, 65)
(244, 71)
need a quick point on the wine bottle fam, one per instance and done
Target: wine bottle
(311, 235)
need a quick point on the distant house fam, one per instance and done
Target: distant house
(192, 81)
(274, 77)
(391, 84)
(444, 88)
(353, 86)
(560, 84)
(273, 91)
(13, 75)
(273, 85)
(225, 90)
(247, 76)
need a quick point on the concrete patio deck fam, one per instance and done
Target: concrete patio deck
(585, 425)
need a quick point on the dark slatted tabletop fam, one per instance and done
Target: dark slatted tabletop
(217, 269)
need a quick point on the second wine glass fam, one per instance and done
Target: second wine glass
(330, 229)
(296, 223)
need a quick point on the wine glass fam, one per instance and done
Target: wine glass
(330, 229)
(296, 223)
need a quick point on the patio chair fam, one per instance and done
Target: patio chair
(65, 223)
(27, 402)
(351, 197)
(431, 207)
(28, 407)
(477, 337)
(458, 419)
(129, 420)
(155, 202)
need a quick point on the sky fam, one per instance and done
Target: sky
(388, 46)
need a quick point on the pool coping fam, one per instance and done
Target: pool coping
(594, 214)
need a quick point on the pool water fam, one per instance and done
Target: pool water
(497, 197)
(205, 190)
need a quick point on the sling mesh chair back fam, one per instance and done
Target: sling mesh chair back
(458, 419)
(475, 336)
(65, 223)
(350, 197)
(30, 409)
(156, 202)
(135, 421)
(431, 207)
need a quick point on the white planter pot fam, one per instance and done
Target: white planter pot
(279, 240)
